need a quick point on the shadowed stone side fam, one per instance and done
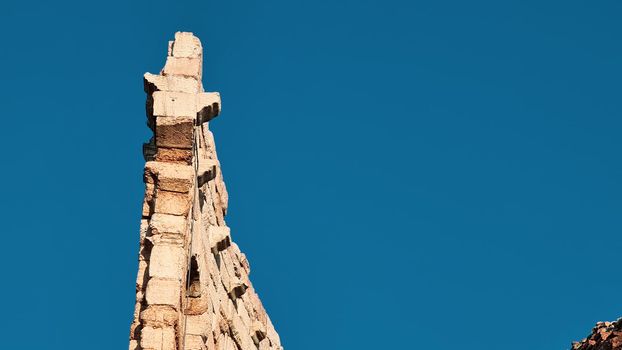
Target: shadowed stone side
(193, 289)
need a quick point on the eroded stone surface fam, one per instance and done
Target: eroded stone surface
(192, 289)
(604, 336)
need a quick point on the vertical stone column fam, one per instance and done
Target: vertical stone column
(192, 289)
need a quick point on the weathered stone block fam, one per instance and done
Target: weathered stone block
(166, 223)
(208, 106)
(207, 171)
(264, 344)
(224, 342)
(194, 342)
(167, 261)
(174, 155)
(173, 83)
(258, 332)
(174, 104)
(159, 316)
(240, 333)
(188, 67)
(199, 324)
(180, 104)
(186, 45)
(210, 344)
(163, 292)
(134, 345)
(172, 202)
(243, 314)
(169, 177)
(219, 237)
(174, 132)
(197, 305)
(158, 338)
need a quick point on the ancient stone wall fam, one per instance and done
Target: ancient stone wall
(192, 290)
(604, 336)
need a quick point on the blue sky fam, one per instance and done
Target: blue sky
(402, 174)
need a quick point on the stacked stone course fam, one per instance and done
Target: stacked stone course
(193, 289)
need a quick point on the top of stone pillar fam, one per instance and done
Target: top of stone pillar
(178, 91)
(185, 45)
(185, 56)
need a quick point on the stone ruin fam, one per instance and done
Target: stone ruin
(193, 290)
(604, 336)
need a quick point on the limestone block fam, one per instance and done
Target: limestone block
(226, 308)
(174, 155)
(224, 342)
(237, 288)
(158, 338)
(243, 314)
(174, 132)
(258, 332)
(134, 345)
(167, 239)
(206, 171)
(167, 261)
(194, 342)
(172, 202)
(199, 324)
(264, 344)
(173, 83)
(186, 45)
(240, 333)
(226, 280)
(159, 316)
(210, 343)
(197, 305)
(208, 106)
(219, 237)
(169, 177)
(188, 67)
(214, 300)
(180, 104)
(174, 104)
(166, 223)
(163, 292)
(230, 263)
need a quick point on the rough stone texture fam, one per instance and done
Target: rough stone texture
(192, 288)
(604, 336)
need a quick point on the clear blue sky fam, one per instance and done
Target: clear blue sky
(402, 174)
